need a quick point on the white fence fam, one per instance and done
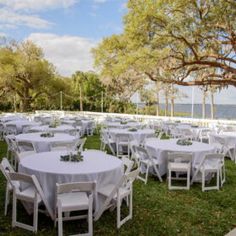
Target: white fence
(99, 116)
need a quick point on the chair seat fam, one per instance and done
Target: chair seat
(28, 193)
(106, 190)
(74, 201)
(149, 162)
(177, 166)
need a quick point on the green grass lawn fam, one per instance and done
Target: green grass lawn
(156, 211)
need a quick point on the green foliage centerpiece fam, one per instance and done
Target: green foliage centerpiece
(47, 135)
(123, 122)
(54, 123)
(76, 157)
(133, 129)
(184, 142)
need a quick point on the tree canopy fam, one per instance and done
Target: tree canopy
(172, 41)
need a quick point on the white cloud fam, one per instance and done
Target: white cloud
(67, 53)
(99, 1)
(36, 5)
(13, 19)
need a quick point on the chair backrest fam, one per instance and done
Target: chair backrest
(11, 129)
(141, 152)
(180, 157)
(122, 138)
(24, 146)
(125, 180)
(152, 152)
(128, 164)
(214, 159)
(219, 140)
(76, 187)
(31, 180)
(6, 167)
(26, 128)
(79, 145)
(12, 144)
(62, 145)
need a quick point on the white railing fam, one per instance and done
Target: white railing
(99, 116)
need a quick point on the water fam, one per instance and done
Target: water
(221, 111)
(227, 112)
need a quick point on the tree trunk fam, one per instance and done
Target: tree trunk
(212, 105)
(158, 106)
(172, 107)
(204, 105)
(80, 98)
(158, 100)
(166, 103)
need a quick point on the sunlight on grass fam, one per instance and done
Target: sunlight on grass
(157, 211)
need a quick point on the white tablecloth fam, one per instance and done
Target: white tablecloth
(164, 146)
(58, 129)
(119, 125)
(20, 123)
(42, 144)
(138, 135)
(229, 137)
(96, 166)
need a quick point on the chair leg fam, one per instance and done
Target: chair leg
(118, 211)
(6, 200)
(218, 179)
(203, 180)
(188, 179)
(169, 179)
(14, 203)
(146, 175)
(90, 219)
(35, 221)
(60, 226)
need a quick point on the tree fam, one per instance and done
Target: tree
(24, 72)
(183, 37)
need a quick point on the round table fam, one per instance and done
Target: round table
(229, 137)
(96, 166)
(20, 123)
(120, 125)
(162, 148)
(58, 129)
(138, 135)
(42, 144)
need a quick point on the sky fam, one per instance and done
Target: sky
(67, 30)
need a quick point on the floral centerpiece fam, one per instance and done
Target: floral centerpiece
(123, 122)
(47, 135)
(133, 129)
(54, 123)
(184, 142)
(76, 157)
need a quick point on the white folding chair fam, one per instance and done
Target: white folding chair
(62, 146)
(106, 141)
(32, 193)
(11, 129)
(22, 150)
(6, 167)
(115, 193)
(122, 145)
(128, 164)
(212, 165)
(76, 196)
(11, 146)
(179, 164)
(146, 162)
(79, 144)
(134, 155)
